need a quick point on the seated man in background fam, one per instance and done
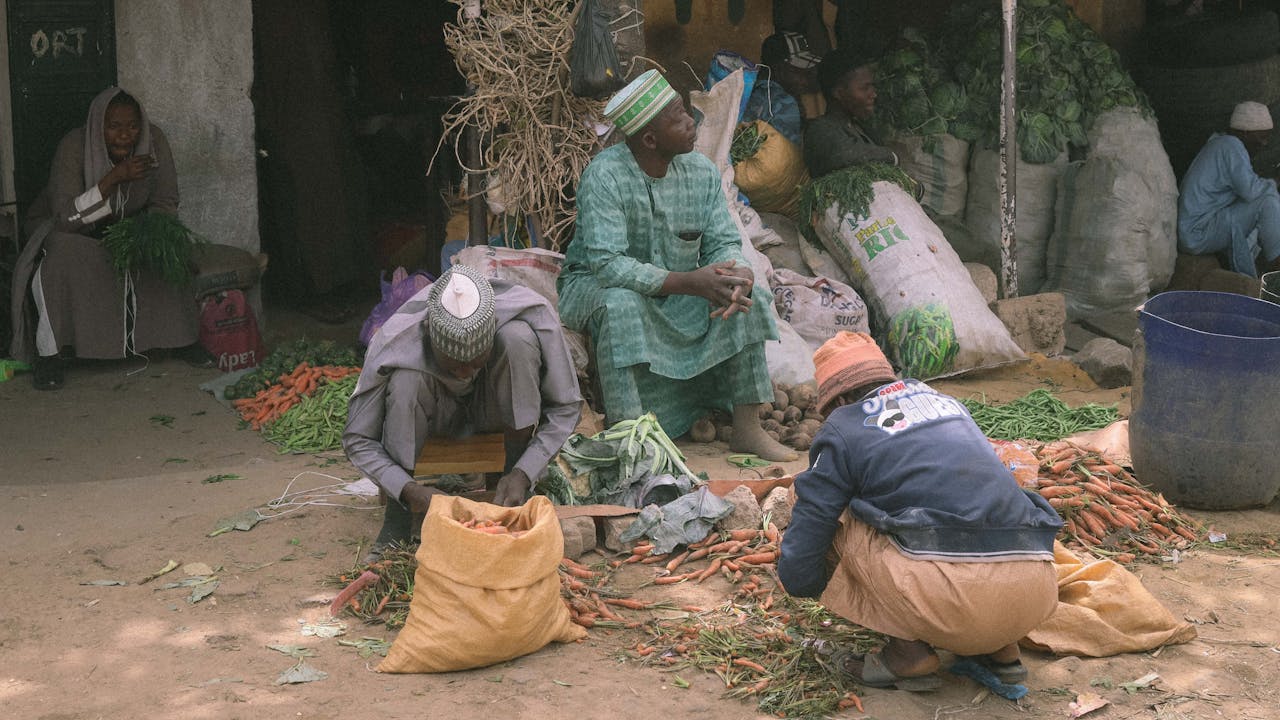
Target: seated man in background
(1224, 206)
(933, 542)
(839, 138)
(463, 356)
(655, 275)
(789, 72)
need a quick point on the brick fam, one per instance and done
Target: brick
(746, 510)
(1107, 362)
(1036, 322)
(579, 536)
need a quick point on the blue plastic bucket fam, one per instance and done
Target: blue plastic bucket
(1206, 399)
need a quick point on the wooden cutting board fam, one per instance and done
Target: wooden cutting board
(474, 454)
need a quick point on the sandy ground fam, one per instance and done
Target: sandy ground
(106, 480)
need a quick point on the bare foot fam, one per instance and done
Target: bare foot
(753, 439)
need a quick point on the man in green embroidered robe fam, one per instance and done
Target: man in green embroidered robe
(655, 275)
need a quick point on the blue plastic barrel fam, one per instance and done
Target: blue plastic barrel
(1206, 399)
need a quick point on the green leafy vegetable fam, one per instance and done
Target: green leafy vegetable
(747, 140)
(848, 190)
(154, 242)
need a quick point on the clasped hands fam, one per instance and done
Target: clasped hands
(510, 492)
(727, 287)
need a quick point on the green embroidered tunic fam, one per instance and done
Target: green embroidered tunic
(655, 353)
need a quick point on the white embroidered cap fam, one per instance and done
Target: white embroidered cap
(460, 314)
(1249, 116)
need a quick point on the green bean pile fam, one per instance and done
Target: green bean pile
(747, 140)
(1038, 415)
(316, 423)
(923, 339)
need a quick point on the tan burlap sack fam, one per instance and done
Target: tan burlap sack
(1104, 610)
(480, 599)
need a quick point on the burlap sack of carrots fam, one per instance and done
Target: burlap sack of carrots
(481, 598)
(1104, 610)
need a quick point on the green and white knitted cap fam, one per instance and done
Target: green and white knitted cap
(639, 102)
(460, 314)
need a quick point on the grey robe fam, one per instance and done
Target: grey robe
(384, 436)
(84, 303)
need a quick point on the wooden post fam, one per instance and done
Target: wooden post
(1008, 151)
(477, 212)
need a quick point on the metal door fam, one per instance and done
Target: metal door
(61, 54)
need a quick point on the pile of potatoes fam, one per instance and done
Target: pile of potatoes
(792, 418)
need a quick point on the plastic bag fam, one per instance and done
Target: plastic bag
(394, 294)
(594, 70)
(723, 64)
(481, 599)
(229, 331)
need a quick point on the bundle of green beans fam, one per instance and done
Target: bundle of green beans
(923, 340)
(157, 242)
(1038, 415)
(316, 423)
(747, 140)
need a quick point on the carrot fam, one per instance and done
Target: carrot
(1124, 558)
(772, 534)
(579, 572)
(1059, 503)
(850, 701)
(759, 558)
(705, 541)
(655, 558)
(1091, 522)
(749, 664)
(726, 546)
(759, 687)
(711, 570)
(348, 593)
(1147, 548)
(670, 579)
(698, 554)
(492, 530)
(1184, 532)
(1161, 530)
(570, 562)
(1061, 466)
(382, 604)
(691, 609)
(641, 549)
(731, 565)
(1059, 491)
(605, 612)
(675, 561)
(585, 622)
(744, 535)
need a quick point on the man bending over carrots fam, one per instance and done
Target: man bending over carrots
(463, 356)
(934, 543)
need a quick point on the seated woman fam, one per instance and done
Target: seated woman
(116, 166)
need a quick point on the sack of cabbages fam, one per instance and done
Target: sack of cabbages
(926, 312)
(481, 598)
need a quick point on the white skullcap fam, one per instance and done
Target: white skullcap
(1250, 115)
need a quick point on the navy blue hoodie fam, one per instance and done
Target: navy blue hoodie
(910, 462)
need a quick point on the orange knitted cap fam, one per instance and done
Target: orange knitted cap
(847, 362)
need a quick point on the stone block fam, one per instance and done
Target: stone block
(778, 505)
(1220, 280)
(579, 536)
(746, 510)
(613, 527)
(1036, 322)
(984, 278)
(1109, 363)
(1189, 271)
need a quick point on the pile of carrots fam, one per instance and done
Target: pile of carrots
(729, 553)
(272, 402)
(491, 527)
(1104, 508)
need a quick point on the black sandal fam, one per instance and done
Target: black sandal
(46, 373)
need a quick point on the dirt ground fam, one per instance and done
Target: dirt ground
(108, 479)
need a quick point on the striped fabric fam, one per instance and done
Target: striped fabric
(639, 102)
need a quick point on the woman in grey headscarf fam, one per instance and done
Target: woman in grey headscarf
(117, 165)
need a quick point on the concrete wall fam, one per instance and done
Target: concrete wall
(191, 65)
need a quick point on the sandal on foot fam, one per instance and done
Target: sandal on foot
(874, 673)
(1011, 673)
(46, 373)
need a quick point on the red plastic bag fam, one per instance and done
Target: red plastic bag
(229, 331)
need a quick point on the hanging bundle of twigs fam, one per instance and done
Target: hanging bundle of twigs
(539, 136)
